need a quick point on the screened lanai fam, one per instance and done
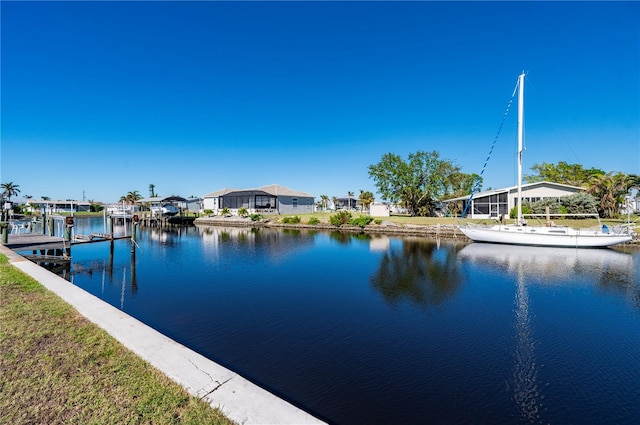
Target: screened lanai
(255, 200)
(495, 202)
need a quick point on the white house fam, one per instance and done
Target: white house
(378, 209)
(58, 206)
(631, 204)
(493, 203)
(271, 199)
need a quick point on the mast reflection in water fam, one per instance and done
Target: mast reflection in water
(547, 266)
(362, 329)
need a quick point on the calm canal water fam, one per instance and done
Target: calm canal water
(360, 330)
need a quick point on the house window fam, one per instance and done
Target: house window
(294, 202)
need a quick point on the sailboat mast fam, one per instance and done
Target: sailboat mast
(520, 137)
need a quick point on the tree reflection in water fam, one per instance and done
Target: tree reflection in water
(346, 238)
(420, 273)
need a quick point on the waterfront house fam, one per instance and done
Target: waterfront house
(495, 202)
(347, 203)
(163, 205)
(54, 207)
(271, 199)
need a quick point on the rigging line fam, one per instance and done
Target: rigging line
(493, 144)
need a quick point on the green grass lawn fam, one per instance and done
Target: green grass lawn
(56, 367)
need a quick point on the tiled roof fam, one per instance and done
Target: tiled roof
(272, 189)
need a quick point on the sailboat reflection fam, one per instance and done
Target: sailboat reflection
(543, 266)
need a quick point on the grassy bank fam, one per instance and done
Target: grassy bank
(56, 367)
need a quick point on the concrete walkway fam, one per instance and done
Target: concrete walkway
(239, 399)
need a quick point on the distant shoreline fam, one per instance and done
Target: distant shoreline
(388, 228)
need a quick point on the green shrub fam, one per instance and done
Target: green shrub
(578, 203)
(361, 221)
(314, 220)
(342, 217)
(514, 211)
(225, 211)
(243, 212)
(291, 220)
(208, 212)
(255, 217)
(377, 221)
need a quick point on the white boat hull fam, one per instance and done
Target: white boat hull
(164, 210)
(559, 236)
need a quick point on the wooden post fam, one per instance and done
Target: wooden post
(44, 222)
(5, 232)
(52, 230)
(134, 280)
(67, 235)
(134, 225)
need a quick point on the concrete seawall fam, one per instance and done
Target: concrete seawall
(238, 398)
(445, 231)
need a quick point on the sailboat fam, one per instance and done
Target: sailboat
(555, 236)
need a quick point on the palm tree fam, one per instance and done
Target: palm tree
(131, 197)
(152, 188)
(610, 189)
(334, 199)
(633, 181)
(324, 201)
(9, 190)
(366, 199)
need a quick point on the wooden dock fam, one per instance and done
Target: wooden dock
(96, 237)
(35, 242)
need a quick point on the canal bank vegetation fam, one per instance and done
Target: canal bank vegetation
(325, 217)
(57, 367)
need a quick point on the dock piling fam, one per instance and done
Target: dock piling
(67, 235)
(134, 225)
(5, 232)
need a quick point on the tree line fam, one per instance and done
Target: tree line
(424, 178)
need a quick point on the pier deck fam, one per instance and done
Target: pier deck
(34, 241)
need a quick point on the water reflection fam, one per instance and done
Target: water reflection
(273, 243)
(535, 265)
(419, 273)
(526, 393)
(380, 243)
(479, 335)
(609, 270)
(346, 238)
(168, 236)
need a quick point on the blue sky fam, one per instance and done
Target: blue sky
(102, 98)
